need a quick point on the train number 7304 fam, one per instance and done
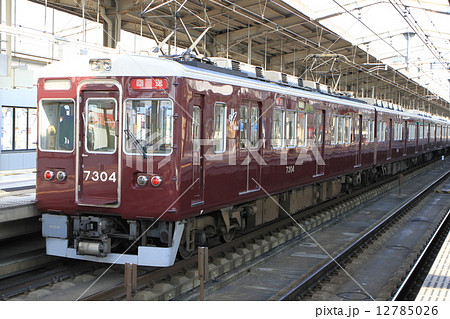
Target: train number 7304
(99, 176)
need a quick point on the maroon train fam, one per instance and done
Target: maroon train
(143, 157)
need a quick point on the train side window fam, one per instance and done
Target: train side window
(340, 131)
(196, 129)
(278, 128)
(290, 128)
(368, 131)
(57, 124)
(301, 128)
(219, 135)
(254, 126)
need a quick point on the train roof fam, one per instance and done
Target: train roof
(215, 70)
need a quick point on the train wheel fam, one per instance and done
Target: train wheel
(184, 253)
(227, 237)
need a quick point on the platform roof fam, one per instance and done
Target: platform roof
(287, 36)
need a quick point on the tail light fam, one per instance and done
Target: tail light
(156, 180)
(49, 175)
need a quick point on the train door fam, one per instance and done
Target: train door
(319, 141)
(249, 144)
(390, 140)
(405, 140)
(98, 150)
(357, 139)
(197, 152)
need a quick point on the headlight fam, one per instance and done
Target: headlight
(142, 180)
(61, 176)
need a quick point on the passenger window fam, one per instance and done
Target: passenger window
(290, 128)
(278, 128)
(219, 136)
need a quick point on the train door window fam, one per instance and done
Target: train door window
(347, 129)
(254, 126)
(438, 132)
(432, 132)
(334, 129)
(219, 136)
(57, 123)
(291, 128)
(411, 132)
(340, 125)
(148, 126)
(301, 128)
(381, 131)
(420, 135)
(278, 128)
(101, 128)
(318, 127)
(425, 131)
(196, 129)
(243, 125)
(357, 130)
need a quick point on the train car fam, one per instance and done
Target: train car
(140, 158)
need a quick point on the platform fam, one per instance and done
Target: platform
(436, 286)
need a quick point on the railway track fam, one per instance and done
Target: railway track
(227, 262)
(345, 266)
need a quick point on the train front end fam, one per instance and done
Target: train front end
(106, 167)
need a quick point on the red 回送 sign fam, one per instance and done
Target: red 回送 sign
(149, 84)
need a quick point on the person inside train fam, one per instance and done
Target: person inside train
(66, 125)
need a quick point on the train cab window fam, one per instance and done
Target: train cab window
(278, 128)
(57, 123)
(101, 128)
(243, 127)
(196, 129)
(291, 128)
(301, 129)
(148, 127)
(219, 135)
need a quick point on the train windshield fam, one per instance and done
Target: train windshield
(56, 129)
(148, 124)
